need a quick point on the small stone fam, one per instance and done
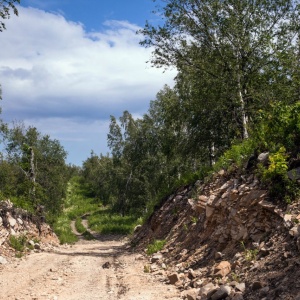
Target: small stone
(222, 269)
(106, 265)
(207, 290)
(173, 278)
(190, 294)
(221, 293)
(264, 291)
(287, 218)
(263, 157)
(218, 255)
(139, 257)
(154, 268)
(37, 246)
(156, 258)
(238, 296)
(3, 261)
(294, 174)
(12, 222)
(137, 228)
(257, 285)
(241, 287)
(221, 172)
(294, 231)
(209, 211)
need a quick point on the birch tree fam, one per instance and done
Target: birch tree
(239, 37)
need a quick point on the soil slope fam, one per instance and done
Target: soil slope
(226, 239)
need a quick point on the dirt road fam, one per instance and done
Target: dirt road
(102, 269)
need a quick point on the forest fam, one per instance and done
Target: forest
(236, 95)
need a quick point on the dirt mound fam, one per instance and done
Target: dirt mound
(225, 239)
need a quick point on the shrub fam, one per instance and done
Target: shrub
(156, 246)
(236, 156)
(18, 242)
(276, 178)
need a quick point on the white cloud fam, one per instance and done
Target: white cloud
(52, 69)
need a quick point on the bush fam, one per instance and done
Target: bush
(18, 242)
(156, 246)
(236, 156)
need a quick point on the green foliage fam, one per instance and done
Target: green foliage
(236, 156)
(78, 225)
(76, 204)
(63, 230)
(249, 254)
(18, 242)
(278, 131)
(156, 246)
(279, 126)
(105, 221)
(88, 236)
(5, 7)
(194, 219)
(278, 166)
(147, 269)
(33, 169)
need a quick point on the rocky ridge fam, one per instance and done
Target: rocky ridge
(225, 240)
(17, 222)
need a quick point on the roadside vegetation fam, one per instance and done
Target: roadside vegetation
(78, 205)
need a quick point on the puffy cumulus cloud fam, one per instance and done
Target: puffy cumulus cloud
(52, 69)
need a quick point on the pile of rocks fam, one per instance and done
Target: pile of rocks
(226, 240)
(18, 222)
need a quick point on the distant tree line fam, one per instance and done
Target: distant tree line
(33, 170)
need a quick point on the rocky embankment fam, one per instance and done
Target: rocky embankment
(29, 230)
(226, 240)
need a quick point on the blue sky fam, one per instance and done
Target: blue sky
(93, 13)
(67, 65)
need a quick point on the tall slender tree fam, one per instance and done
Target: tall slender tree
(233, 41)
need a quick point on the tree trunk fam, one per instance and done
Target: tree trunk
(32, 176)
(245, 134)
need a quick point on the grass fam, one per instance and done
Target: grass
(105, 221)
(249, 254)
(156, 246)
(78, 225)
(63, 230)
(101, 220)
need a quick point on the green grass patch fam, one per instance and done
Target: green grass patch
(100, 220)
(75, 205)
(104, 221)
(63, 230)
(78, 225)
(88, 236)
(156, 246)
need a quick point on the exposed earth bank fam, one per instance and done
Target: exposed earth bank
(226, 239)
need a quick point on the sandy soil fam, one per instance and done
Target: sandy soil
(99, 269)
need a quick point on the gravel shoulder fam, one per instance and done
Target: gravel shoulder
(99, 269)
